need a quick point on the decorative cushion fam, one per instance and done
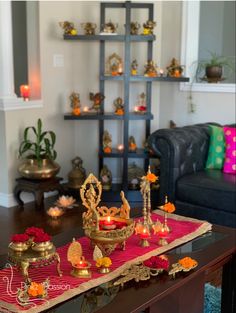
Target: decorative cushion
(230, 153)
(216, 152)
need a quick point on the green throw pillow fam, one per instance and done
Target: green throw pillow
(216, 152)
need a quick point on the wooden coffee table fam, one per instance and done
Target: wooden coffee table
(163, 294)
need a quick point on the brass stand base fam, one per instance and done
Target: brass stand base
(81, 273)
(162, 242)
(144, 243)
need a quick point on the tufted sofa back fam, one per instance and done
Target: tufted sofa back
(182, 150)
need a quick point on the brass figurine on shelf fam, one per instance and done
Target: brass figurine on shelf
(97, 99)
(97, 221)
(148, 27)
(114, 65)
(132, 144)
(68, 28)
(119, 106)
(174, 69)
(150, 69)
(106, 178)
(134, 176)
(134, 67)
(89, 28)
(77, 175)
(134, 28)
(107, 142)
(109, 28)
(75, 103)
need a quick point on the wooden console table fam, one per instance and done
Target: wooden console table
(37, 187)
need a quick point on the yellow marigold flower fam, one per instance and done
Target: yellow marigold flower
(188, 262)
(103, 262)
(169, 207)
(151, 177)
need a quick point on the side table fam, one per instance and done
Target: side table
(37, 187)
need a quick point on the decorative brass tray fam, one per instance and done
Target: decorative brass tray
(33, 259)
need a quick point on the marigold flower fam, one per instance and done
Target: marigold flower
(103, 262)
(168, 207)
(151, 177)
(119, 112)
(107, 150)
(188, 263)
(36, 290)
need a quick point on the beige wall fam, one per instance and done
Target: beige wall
(3, 156)
(80, 73)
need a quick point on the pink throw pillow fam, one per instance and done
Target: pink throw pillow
(230, 152)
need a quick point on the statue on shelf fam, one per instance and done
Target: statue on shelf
(150, 69)
(132, 144)
(68, 28)
(107, 142)
(114, 65)
(89, 28)
(134, 67)
(119, 106)
(109, 28)
(172, 124)
(106, 178)
(148, 27)
(174, 69)
(77, 175)
(75, 103)
(97, 99)
(142, 106)
(134, 27)
(134, 176)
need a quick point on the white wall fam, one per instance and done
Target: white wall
(80, 73)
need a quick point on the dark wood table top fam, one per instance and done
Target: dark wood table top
(211, 250)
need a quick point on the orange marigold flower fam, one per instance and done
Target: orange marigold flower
(188, 262)
(151, 177)
(120, 112)
(36, 290)
(169, 207)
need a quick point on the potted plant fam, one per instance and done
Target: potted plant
(39, 153)
(212, 68)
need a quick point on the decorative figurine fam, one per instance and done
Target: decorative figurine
(134, 27)
(75, 103)
(109, 28)
(89, 28)
(134, 176)
(141, 107)
(148, 27)
(150, 69)
(172, 124)
(174, 69)
(119, 106)
(107, 142)
(106, 178)
(97, 99)
(77, 175)
(115, 65)
(68, 28)
(134, 67)
(132, 144)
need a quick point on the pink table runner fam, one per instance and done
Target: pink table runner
(65, 287)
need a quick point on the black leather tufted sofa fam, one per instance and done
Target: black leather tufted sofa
(196, 192)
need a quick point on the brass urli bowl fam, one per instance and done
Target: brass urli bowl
(108, 240)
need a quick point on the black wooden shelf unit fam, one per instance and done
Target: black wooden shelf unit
(126, 78)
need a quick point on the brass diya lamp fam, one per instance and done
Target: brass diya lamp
(106, 227)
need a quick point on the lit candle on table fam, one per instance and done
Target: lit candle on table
(163, 234)
(108, 223)
(24, 92)
(82, 263)
(161, 72)
(136, 109)
(144, 235)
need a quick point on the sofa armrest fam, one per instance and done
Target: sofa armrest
(182, 151)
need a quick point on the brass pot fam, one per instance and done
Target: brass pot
(30, 168)
(42, 246)
(19, 246)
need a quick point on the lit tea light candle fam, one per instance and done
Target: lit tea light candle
(25, 92)
(108, 223)
(136, 109)
(82, 263)
(163, 233)
(161, 72)
(55, 212)
(120, 147)
(86, 109)
(144, 234)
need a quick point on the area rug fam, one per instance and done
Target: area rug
(212, 299)
(183, 230)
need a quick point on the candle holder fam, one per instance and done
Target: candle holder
(96, 218)
(82, 269)
(144, 235)
(165, 225)
(25, 92)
